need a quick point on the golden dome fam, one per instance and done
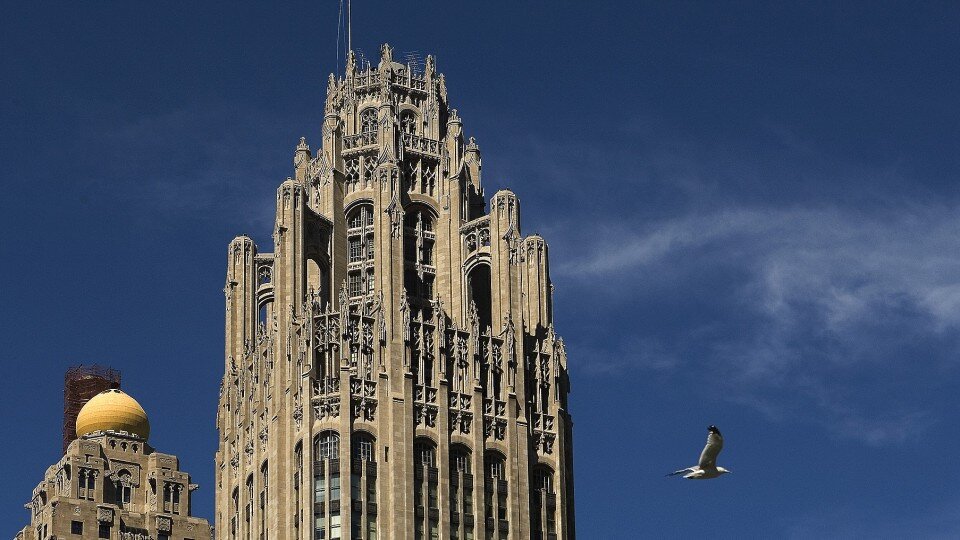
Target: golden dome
(112, 410)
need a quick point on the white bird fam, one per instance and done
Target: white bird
(707, 467)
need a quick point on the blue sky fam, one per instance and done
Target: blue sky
(752, 212)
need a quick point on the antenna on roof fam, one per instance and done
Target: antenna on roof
(339, 24)
(414, 60)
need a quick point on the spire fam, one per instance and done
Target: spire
(430, 68)
(351, 62)
(386, 54)
(301, 157)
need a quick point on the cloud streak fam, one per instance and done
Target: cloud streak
(825, 306)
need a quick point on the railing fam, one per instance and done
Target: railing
(404, 77)
(543, 422)
(460, 401)
(367, 78)
(543, 433)
(421, 145)
(359, 140)
(424, 407)
(494, 407)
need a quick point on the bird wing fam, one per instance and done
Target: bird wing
(708, 458)
(682, 471)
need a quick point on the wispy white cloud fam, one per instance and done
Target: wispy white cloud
(825, 291)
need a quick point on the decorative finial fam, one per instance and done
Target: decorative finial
(303, 144)
(386, 53)
(351, 62)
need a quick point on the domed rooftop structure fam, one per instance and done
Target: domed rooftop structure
(113, 410)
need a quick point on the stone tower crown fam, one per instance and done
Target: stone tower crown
(399, 334)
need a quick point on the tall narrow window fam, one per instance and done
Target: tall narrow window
(235, 518)
(461, 493)
(297, 481)
(264, 494)
(360, 251)
(363, 486)
(326, 485)
(356, 250)
(496, 490)
(88, 483)
(408, 122)
(543, 504)
(479, 291)
(248, 506)
(418, 240)
(124, 488)
(177, 488)
(426, 481)
(368, 121)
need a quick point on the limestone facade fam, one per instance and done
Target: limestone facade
(391, 368)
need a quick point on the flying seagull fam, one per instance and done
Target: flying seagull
(707, 467)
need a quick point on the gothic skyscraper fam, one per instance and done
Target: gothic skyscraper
(391, 367)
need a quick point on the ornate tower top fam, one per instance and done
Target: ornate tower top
(398, 333)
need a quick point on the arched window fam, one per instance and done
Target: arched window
(496, 492)
(426, 481)
(124, 488)
(297, 482)
(326, 485)
(360, 251)
(461, 493)
(408, 122)
(88, 483)
(368, 120)
(327, 446)
(318, 281)
(479, 294)
(363, 447)
(543, 504)
(363, 485)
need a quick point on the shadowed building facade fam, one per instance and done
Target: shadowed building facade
(111, 484)
(391, 368)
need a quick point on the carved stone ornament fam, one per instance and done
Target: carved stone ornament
(248, 450)
(298, 415)
(326, 407)
(105, 514)
(264, 435)
(365, 409)
(164, 524)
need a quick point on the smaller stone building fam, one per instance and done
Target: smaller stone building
(112, 485)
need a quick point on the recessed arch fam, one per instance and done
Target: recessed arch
(367, 120)
(479, 293)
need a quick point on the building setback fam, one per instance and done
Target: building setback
(391, 369)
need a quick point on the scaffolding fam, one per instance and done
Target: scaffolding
(81, 383)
